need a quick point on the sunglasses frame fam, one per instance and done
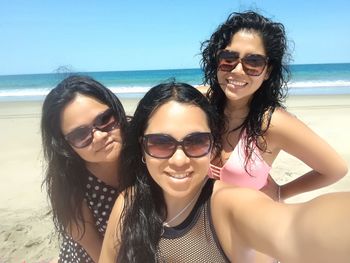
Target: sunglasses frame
(109, 126)
(176, 143)
(247, 68)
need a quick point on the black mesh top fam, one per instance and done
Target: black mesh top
(194, 240)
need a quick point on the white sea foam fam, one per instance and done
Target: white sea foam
(314, 86)
(28, 92)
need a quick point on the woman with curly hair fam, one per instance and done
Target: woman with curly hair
(245, 66)
(82, 129)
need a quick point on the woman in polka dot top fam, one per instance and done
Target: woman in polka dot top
(82, 128)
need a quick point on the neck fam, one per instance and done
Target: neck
(240, 107)
(178, 210)
(107, 172)
(236, 114)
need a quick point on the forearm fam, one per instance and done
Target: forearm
(307, 182)
(320, 230)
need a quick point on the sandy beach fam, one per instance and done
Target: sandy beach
(26, 230)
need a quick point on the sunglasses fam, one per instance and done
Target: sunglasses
(163, 146)
(83, 135)
(253, 64)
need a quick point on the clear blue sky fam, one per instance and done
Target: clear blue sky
(91, 35)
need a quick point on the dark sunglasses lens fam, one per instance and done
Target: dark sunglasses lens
(197, 145)
(226, 67)
(255, 60)
(80, 137)
(104, 120)
(159, 145)
(227, 60)
(227, 55)
(254, 64)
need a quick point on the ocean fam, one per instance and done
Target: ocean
(308, 79)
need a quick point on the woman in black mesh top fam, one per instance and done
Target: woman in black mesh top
(82, 128)
(172, 212)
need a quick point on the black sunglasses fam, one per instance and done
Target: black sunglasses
(163, 146)
(83, 135)
(253, 64)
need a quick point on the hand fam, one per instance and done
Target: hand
(272, 189)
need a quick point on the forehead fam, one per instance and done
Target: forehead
(247, 41)
(80, 111)
(177, 120)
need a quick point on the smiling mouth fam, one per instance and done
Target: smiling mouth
(179, 175)
(236, 83)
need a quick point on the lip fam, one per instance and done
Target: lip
(236, 84)
(106, 146)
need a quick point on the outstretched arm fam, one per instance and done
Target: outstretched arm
(316, 231)
(291, 135)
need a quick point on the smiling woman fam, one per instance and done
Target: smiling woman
(245, 62)
(171, 212)
(82, 128)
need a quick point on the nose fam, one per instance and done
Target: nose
(179, 158)
(238, 68)
(99, 135)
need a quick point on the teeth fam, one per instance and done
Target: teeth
(179, 176)
(236, 83)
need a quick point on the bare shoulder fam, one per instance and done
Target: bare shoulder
(281, 119)
(286, 128)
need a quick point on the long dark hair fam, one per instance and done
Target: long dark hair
(272, 92)
(66, 173)
(145, 209)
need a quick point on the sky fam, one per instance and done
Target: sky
(110, 35)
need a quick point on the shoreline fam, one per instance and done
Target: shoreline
(27, 233)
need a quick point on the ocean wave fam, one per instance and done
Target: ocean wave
(139, 90)
(28, 92)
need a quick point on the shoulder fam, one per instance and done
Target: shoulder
(284, 127)
(281, 117)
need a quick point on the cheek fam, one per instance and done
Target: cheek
(116, 135)
(202, 165)
(154, 167)
(83, 153)
(220, 76)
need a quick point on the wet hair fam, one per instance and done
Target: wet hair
(144, 208)
(272, 92)
(65, 171)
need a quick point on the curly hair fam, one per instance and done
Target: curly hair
(66, 173)
(271, 93)
(144, 208)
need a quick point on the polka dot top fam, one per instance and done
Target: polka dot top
(100, 198)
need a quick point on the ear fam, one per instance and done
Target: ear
(267, 73)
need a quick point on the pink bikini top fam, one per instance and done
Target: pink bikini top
(234, 171)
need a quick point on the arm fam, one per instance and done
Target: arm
(91, 241)
(112, 236)
(305, 232)
(289, 134)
